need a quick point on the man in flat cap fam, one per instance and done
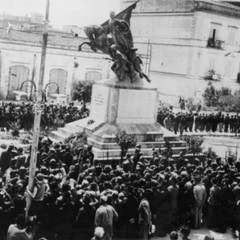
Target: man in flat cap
(105, 216)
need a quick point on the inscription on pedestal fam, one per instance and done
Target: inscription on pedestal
(99, 99)
(99, 103)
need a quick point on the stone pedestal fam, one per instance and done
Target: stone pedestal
(126, 106)
(124, 103)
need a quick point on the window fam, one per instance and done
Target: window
(215, 31)
(93, 76)
(232, 35)
(210, 71)
(238, 78)
(211, 63)
(228, 68)
(214, 40)
(238, 74)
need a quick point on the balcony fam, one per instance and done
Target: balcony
(213, 76)
(217, 44)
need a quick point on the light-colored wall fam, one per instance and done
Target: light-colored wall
(226, 61)
(159, 27)
(23, 55)
(179, 56)
(170, 37)
(160, 5)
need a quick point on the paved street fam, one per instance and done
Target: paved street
(200, 234)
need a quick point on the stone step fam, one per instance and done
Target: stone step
(53, 139)
(108, 160)
(114, 145)
(111, 138)
(65, 131)
(179, 143)
(57, 136)
(73, 128)
(171, 138)
(115, 153)
(176, 150)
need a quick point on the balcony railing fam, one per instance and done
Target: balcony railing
(218, 44)
(213, 76)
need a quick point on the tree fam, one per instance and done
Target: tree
(212, 96)
(193, 144)
(125, 141)
(230, 102)
(82, 91)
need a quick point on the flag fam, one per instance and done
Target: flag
(125, 14)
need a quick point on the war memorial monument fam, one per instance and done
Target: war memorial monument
(127, 102)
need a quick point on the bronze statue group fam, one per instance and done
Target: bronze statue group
(114, 38)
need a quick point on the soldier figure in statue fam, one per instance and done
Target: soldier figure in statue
(114, 38)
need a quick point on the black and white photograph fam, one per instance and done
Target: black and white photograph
(119, 120)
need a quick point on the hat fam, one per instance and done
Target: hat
(107, 169)
(85, 183)
(56, 145)
(173, 235)
(184, 174)
(53, 161)
(121, 194)
(104, 199)
(138, 146)
(52, 150)
(44, 154)
(99, 232)
(22, 169)
(40, 177)
(3, 145)
(188, 185)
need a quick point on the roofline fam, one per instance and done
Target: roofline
(220, 8)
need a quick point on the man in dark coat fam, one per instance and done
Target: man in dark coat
(226, 123)
(85, 219)
(105, 216)
(145, 218)
(5, 158)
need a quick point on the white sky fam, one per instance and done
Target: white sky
(64, 12)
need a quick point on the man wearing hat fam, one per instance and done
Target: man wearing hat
(136, 158)
(128, 163)
(19, 231)
(37, 194)
(200, 196)
(173, 235)
(5, 158)
(105, 217)
(145, 217)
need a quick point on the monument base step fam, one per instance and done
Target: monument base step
(102, 137)
(151, 145)
(113, 154)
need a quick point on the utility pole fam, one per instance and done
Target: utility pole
(38, 111)
(32, 98)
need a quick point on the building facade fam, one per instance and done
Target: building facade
(187, 44)
(20, 56)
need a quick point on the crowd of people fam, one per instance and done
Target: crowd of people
(199, 122)
(21, 115)
(73, 194)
